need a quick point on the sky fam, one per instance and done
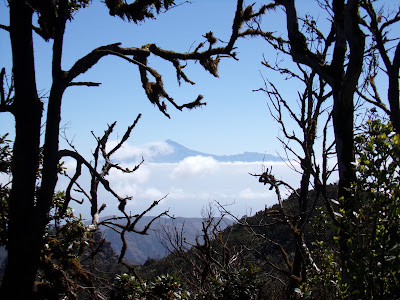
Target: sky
(236, 119)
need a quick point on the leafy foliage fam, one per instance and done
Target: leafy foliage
(67, 260)
(138, 10)
(5, 154)
(48, 11)
(5, 168)
(371, 268)
(241, 284)
(162, 287)
(68, 244)
(228, 284)
(374, 225)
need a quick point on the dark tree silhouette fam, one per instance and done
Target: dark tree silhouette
(339, 57)
(31, 198)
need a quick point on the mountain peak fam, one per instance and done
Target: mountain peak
(180, 152)
(174, 144)
(170, 151)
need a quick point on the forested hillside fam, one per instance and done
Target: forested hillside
(142, 247)
(254, 252)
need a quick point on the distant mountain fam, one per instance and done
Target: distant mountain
(180, 152)
(142, 247)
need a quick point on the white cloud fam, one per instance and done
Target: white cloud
(4, 178)
(126, 190)
(147, 151)
(193, 183)
(251, 194)
(178, 193)
(187, 192)
(195, 166)
(196, 181)
(151, 194)
(140, 176)
(70, 165)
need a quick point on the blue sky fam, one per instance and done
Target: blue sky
(235, 118)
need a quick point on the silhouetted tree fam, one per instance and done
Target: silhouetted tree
(383, 49)
(31, 198)
(339, 57)
(312, 110)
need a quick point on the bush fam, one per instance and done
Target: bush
(371, 267)
(162, 287)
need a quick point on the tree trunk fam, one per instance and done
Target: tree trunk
(393, 91)
(24, 240)
(53, 118)
(343, 111)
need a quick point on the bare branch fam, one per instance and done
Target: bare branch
(377, 102)
(6, 99)
(84, 84)
(88, 61)
(298, 45)
(70, 185)
(125, 137)
(80, 159)
(5, 27)
(154, 204)
(2, 93)
(209, 59)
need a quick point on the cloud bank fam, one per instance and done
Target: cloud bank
(190, 185)
(195, 166)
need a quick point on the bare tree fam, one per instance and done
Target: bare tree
(299, 143)
(381, 25)
(100, 177)
(339, 57)
(345, 45)
(209, 256)
(102, 158)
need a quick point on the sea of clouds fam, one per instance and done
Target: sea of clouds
(186, 187)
